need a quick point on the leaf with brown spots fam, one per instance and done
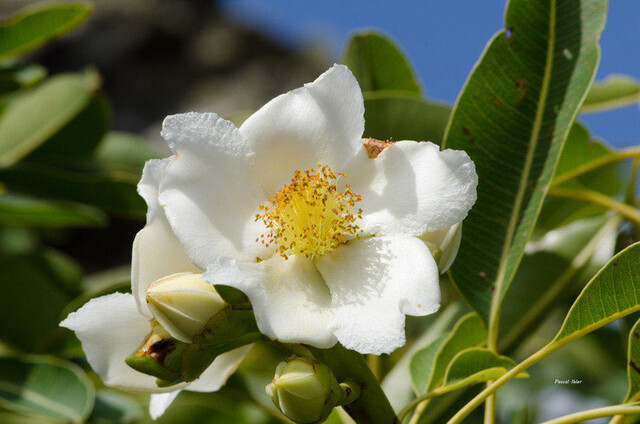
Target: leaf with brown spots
(519, 103)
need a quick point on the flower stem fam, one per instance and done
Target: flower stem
(633, 152)
(420, 402)
(372, 406)
(490, 409)
(594, 197)
(607, 411)
(618, 419)
(417, 414)
(512, 373)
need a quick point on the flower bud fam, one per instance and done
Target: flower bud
(172, 361)
(444, 245)
(183, 304)
(305, 390)
(155, 355)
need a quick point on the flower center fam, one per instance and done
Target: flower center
(310, 216)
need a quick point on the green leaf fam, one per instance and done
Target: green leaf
(613, 293)
(397, 382)
(13, 78)
(112, 191)
(47, 387)
(633, 364)
(428, 366)
(581, 152)
(423, 362)
(13, 418)
(550, 271)
(35, 290)
(476, 365)
(33, 27)
(378, 64)
(38, 114)
(512, 117)
(115, 407)
(80, 137)
(19, 210)
(398, 116)
(124, 151)
(614, 92)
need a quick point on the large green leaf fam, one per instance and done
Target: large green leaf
(112, 191)
(398, 116)
(18, 210)
(16, 418)
(428, 366)
(38, 114)
(124, 151)
(476, 365)
(47, 387)
(614, 92)
(33, 27)
(378, 64)
(614, 292)
(115, 407)
(80, 137)
(512, 117)
(35, 290)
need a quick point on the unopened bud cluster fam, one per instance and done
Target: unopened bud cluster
(192, 325)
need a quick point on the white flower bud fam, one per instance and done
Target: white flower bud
(183, 303)
(444, 245)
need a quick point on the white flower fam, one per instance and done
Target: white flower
(290, 209)
(112, 327)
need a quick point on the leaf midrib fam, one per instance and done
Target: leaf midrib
(494, 313)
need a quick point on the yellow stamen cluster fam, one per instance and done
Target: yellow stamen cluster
(310, 216)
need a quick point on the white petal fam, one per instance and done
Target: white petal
(320, 123)
(206, 190)
(156, 250)
(220, 370)
(159, 403)
(374, 282)
(289, 298)
(448, 241)
(412, 188)
(110, 328)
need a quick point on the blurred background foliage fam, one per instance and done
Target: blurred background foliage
(79, 116)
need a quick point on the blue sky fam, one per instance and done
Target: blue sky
(443, 39)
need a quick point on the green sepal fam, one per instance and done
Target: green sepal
(233, 296)
(156, 355)
(226, 326)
